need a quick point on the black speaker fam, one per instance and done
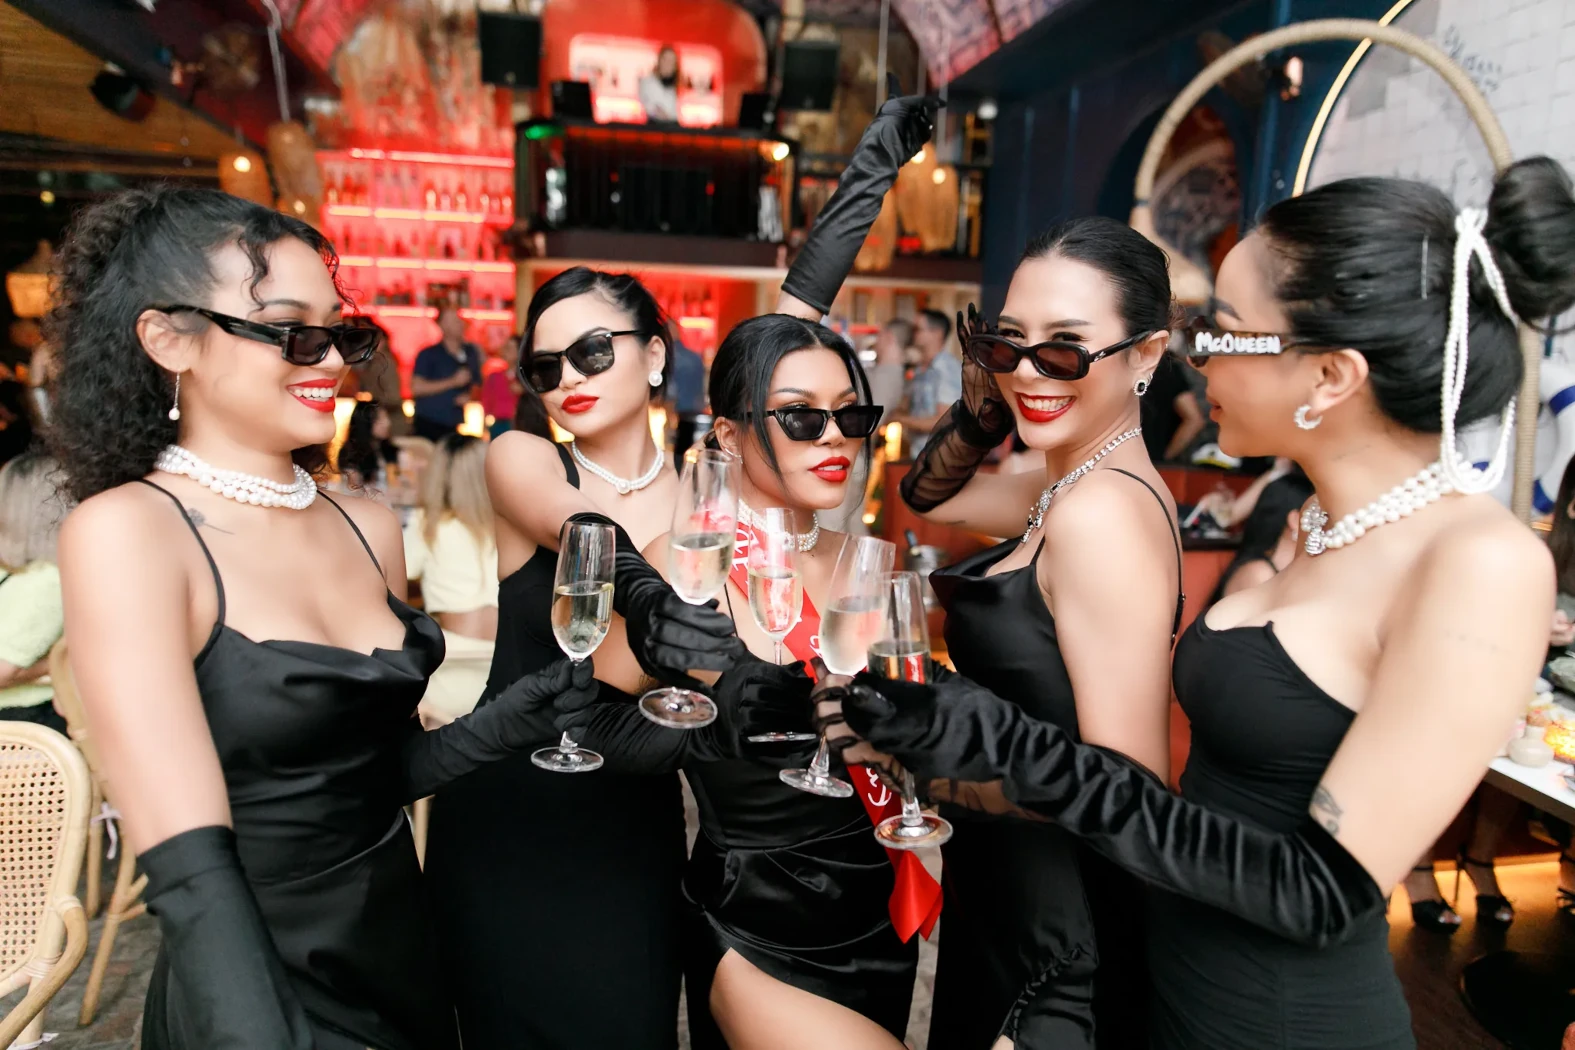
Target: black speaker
(510, 48)
(755, 112)
(571, 99)
(809, 74)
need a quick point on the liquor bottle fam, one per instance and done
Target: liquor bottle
(429, 195)
(445, 197)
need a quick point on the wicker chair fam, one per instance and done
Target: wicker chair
(124, 900)
(44, 793)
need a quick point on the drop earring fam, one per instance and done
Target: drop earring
(1141, 386)
(1303, 422)
(655, 378)
(174, 412)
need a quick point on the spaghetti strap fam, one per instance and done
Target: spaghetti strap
(353, 528)
(1175, 536)
(568, 463)
(213, 566)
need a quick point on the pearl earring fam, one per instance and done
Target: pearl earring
(174, 412)
(1140, 387)
(1303, 422)
(655, 378)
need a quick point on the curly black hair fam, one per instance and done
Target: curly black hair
(121, 256)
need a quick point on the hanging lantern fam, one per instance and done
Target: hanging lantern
(881, 242)
(293, 157)
(243, 173)
(927, 200)
(27, 286)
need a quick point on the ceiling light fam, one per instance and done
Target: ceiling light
(47, 197)
(938, 176)
(242, 163)
(988, 110)
(780, 151)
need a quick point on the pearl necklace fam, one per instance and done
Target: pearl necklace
(805, 540)
(1036, 517)
(1402, 501)
(243, 488)
(623, 485)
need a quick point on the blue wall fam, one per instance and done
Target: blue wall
(1073, 149)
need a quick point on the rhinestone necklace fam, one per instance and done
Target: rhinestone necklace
(1411, 495)
(623, 485)
(1036, 517)
(232, 484)
(806, 540)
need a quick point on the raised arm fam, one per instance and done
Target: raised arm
(128, 593)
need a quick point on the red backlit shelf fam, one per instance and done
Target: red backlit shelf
(430, 312)
(362, 211)
(443, 265)
(456, 159)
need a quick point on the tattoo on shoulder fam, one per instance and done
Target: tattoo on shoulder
(200, 520)
(1326, 810)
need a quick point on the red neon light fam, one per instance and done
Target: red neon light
(430, 312)
(361, 211)
(395, 262)
(464, 160)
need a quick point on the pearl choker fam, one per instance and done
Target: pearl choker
(232, 484)
(623, 485)
(806, 540)
(1036, 517)
(1402, 501)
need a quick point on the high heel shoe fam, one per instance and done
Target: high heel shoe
(1435, 915)
(1492, 908)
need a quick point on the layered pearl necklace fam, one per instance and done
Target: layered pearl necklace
(242, 488)
(1036, 517)
(805, 540)
(623, 485)
(1411, 495)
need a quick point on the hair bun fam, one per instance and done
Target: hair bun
(1531, 227)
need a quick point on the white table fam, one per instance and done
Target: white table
(1543, 787)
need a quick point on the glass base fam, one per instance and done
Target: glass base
(931, 830)
(815, 783)
(678, 708)
(780, 738)
(560, 760)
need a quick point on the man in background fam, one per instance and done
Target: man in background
(658, 89)
(936, 381)
(444, 375)
(885, 378)
(378, 377)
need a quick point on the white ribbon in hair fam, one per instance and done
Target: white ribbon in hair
(1468, 242)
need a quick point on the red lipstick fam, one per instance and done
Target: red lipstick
(316, 404)
(574, 404)
(1036, 415)
(833, 469)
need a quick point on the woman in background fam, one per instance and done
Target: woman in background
(369, 449)
(449, 547)
(502, 389)
(31, 617)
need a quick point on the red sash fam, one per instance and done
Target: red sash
(915, 902)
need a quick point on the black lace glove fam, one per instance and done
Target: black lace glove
(668, 636)
(1303, 885)
(903, 125)
(978, 422)
(228, 989)
(515, 719)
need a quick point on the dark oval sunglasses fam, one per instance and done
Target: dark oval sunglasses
(807, 424)
(305, 344)
(1053, 360)
(589, 354)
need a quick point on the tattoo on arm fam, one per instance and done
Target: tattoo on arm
(200, 520)
(1326, 810)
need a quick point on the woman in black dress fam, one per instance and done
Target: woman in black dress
(583, 947)
(1356, 323)
(242, 647)
(1042, 944)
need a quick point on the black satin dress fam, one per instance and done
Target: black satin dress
(1262, 737)
(1042, 939)
(793, 882)
(557, 895)
(309, 737)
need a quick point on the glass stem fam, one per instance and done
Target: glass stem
(776, 650)
(567, 746)
(820, 765)
(912, 816)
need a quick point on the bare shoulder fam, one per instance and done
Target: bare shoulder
(130, 520)
(1485, 549)
(1107, 512)
(516, 454)
(376, 522)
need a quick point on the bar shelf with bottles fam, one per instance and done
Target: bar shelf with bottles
(416, 231)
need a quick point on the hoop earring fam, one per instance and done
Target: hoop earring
(1141, 386)
(174, 412)
(1303, 422)
(655, 378)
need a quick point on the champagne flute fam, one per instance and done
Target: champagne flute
(776, 588)
(699, 557)
(582, 599)
(849, 624)
(902, 651)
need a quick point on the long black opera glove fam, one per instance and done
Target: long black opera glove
(754, 697)
(1303, 886)
(668, 636)
(975, 425)
(228, 988)
(899, 130)
(515, 719)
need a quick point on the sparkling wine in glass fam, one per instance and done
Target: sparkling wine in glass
(901, 650)
(776, 588)
(699, 557)
(848, 626)
(582, 610)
